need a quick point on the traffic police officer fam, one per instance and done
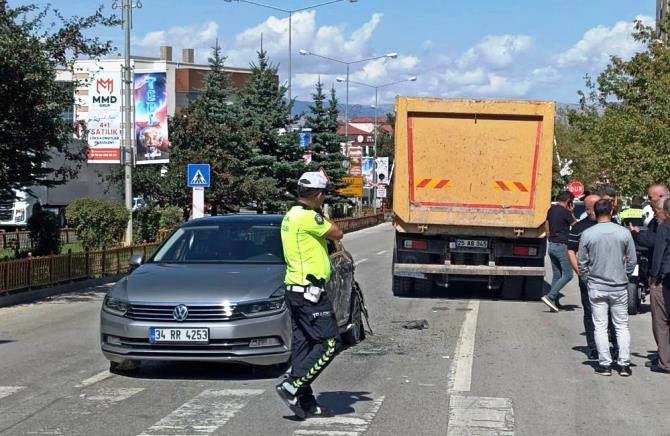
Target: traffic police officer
(316, 339)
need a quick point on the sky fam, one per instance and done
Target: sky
(517, 49)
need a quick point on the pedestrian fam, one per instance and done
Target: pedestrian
(607, 192)
(660, 291)
(316, 340)
(557, 227)
(654, 193)
(573, 248)
(634, 214)
(606, 256)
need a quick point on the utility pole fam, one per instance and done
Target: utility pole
(127, 149)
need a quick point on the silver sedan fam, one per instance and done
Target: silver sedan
(214, 291)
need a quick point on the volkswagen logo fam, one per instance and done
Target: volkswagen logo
(180, 313)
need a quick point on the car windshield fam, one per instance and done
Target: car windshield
(223, 243)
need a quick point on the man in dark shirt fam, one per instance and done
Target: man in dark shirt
(557, 226)
(660, 294)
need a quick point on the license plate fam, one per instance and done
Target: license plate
(471, 243)
(186, 335)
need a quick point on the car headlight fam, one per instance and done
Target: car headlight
(261, 308)
(115, 307)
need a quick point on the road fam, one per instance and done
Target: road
(482, 367)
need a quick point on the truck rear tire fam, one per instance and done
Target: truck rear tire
(512, 288)
(423, 287)
(402, 286)
(533, 288)
(633, 299)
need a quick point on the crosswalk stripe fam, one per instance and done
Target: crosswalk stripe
(111, 395)
(6, 391)
(344, 425)
(203, 414)
(480, 415)
(95, 379)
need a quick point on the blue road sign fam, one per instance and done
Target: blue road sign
(305, 139)
(197, 176)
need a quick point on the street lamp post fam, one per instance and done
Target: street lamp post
(348, 64)
(290, 13)
(376, 88)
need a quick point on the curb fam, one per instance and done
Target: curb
(39, 294)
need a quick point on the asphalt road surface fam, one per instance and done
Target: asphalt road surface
(482, 367)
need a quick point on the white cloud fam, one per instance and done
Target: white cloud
(601, 42)
(546, 74)
(497, 51)
(200, 37)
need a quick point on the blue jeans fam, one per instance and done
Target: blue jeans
(560, 265)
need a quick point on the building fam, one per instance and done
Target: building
(184, 81)
(361, 130)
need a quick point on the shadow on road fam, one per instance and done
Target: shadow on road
(341, 402)
(204, 371)
(6, 341)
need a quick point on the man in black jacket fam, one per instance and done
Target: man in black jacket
(660, 291)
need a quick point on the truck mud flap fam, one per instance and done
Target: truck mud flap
(402, 269)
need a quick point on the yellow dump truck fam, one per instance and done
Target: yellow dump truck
(471, 190)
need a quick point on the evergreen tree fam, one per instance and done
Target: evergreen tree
(208, 131)
(276, 159)
(325, 140)
(34, 44)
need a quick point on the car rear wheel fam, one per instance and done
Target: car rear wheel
(356, 333)
(423, 287)
(512, 288)
(533, 288)
(124, 366)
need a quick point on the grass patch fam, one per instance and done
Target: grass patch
(8, 254)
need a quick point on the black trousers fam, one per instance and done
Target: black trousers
(315, 343)
(588, 319)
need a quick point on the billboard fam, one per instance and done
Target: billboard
(151, 117)
(367, 170)
(103, 121)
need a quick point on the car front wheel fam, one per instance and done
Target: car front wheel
(356, 333)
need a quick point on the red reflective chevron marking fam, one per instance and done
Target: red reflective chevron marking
(441, 184)
(423, 183)
(502, 185)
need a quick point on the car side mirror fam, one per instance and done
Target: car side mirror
(135, 260)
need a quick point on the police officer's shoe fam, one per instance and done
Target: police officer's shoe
(319, 412)
(291, 400)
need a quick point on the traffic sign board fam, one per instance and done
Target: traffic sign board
(576, 188)
(198, 176)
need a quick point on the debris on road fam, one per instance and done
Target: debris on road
(418, 324)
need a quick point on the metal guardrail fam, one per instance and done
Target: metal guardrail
(21, 239)
(43, 271)
(36, 272)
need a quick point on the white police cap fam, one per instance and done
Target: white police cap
(313, 179)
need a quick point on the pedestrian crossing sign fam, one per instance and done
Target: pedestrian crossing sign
(197, 176)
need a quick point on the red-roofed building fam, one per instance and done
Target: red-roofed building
(361, 129)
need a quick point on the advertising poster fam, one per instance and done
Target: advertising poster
(367, 170)
(383, 170)
(103, 121)
(151, 117)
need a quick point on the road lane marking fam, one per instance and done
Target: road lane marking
(6, 391)
(109, 396)
(379, 253)
(470, 415)
(480, 416)
(353, 424)
(95, 379)
(204, 414)
(360, 261)
(461, 368)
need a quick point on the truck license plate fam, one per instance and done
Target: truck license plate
(174, 335)
(471, 243)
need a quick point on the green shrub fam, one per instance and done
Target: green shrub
(98, 223)
(145, 224)
(44, 232)
(171, 217)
